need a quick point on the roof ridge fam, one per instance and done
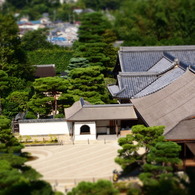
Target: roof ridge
(145, 73)
(157, 48)
(160, 75)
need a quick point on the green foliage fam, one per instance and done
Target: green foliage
(13, 160)
(95, 38)
(33, 8)
(156, 22)
(64, 101)
(60, 57)
(161, 160)
(102, 4)
(15, 177)
(47, 91)
(101, 187)
(39, 38)
(4, 122)
(16, 102)
(148, 136)
(77, 63)
(12, 57)
(40, 105)
(8, 143)
(141, 137)
(89, 84)
(169, 185)
(3, 82)
(159, 171)
(93, 25)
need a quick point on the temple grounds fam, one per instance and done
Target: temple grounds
(66, 165)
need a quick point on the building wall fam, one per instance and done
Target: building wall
(77, 131)
(103, 127)
(45, 128)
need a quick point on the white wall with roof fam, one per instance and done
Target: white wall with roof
(45, 128)
(88, 136)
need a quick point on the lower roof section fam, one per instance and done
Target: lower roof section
(184, 130)
(80, 111)
(169, 105)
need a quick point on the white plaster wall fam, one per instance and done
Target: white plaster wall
(91, 136)
(45, 128)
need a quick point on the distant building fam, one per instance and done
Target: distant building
(1, 2)
(47, 70)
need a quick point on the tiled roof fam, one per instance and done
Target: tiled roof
(187, 57)
(166, 63)
(162, 65)
(161, 82)
(113, 89)
(131, 84)
(83, 111)
(139, 59)
(185, 129)
(169, 105)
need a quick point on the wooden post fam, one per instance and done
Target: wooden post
(184, 164)
(116, 127)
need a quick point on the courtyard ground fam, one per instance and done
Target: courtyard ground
(64, 166)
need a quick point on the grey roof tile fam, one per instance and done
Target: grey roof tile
(187, 57)
(139, 59)
(161, 82)
(162, 65)
(137, 62)
(131, 85)
(113, 89)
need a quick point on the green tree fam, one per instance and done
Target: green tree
(95, 38)
(94, 52)
(102, 4)
(161, 160)
(101, 187)
(93, 25)
(3, 86)
(89, 84)
(58, 56)
(77, 63)
(12, 57)
(156, 22)
(47, 91)
(8, 143)
(159, 171)
(16, 102)
(141, 137)
(39, 38)
(15, 176)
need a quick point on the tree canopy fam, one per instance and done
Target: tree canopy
(101, 187)
(12, 57)
(156, 22)
(89, 84)
(141, 138)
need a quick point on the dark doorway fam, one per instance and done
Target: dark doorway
(85, 129)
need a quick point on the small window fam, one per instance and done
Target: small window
(85, 129)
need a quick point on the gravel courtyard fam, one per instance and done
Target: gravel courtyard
(65, 165)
